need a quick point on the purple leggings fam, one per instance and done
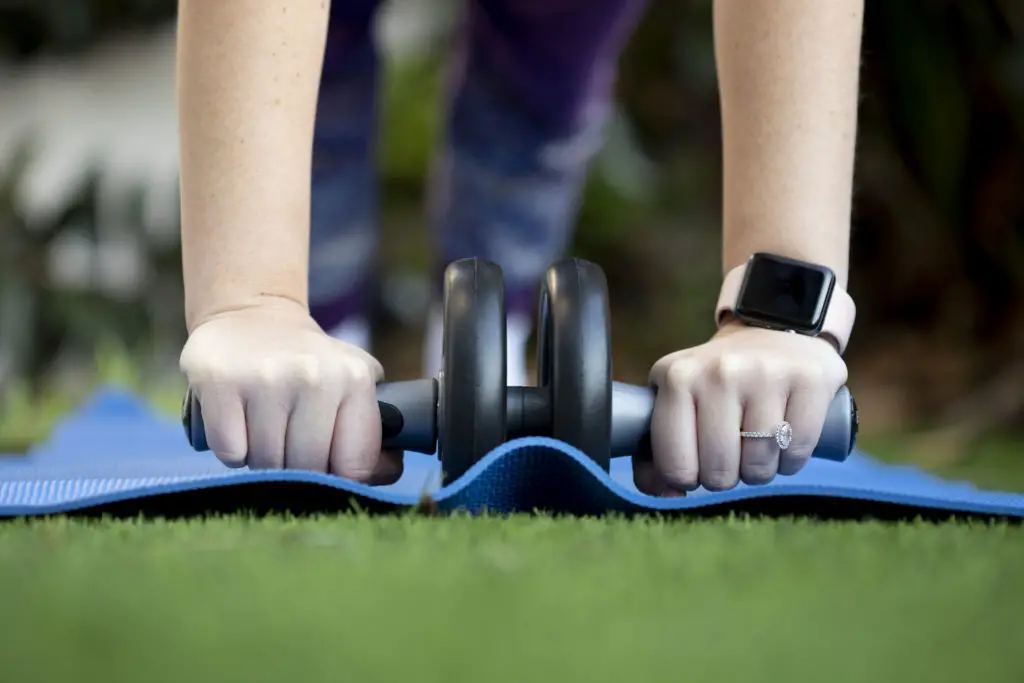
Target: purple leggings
(531, 91)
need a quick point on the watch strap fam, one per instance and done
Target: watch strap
(839, 318)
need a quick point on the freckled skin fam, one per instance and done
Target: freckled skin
(244, 165)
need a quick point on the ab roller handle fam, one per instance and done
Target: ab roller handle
(409, 418)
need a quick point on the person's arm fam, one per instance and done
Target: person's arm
(788, 75)
(248, 73)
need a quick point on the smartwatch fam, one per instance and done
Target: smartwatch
(780, 293)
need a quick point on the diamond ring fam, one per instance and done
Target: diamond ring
(783, 435)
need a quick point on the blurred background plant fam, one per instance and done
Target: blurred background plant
(88, 218)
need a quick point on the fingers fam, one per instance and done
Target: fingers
(224, 420)
(673, 442)
(307, 443)
(272, 393)
(695, 427)
(754, 381)
(719, 415)
(355, 447)
(806, 412)
(311, 413)
(673, 429)
(267, 420)
(763, 412)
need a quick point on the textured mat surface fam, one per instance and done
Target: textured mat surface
(115, 456)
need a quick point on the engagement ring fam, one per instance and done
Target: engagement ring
(783, 435)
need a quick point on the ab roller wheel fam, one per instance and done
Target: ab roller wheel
(574, 366)
(471, 410)
(468, 411)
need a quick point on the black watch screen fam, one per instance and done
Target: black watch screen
(782, 293)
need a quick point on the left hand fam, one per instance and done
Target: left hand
(743, 379)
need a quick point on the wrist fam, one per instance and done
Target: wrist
(225, 273)
(212, 310)
(786, 295)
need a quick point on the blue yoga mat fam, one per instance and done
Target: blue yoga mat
(115, 456)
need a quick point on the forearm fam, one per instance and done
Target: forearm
(788, 75)
(248, 72)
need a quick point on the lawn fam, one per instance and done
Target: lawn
(520, 599)
(428, 599)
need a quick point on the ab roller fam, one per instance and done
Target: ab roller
(468, 410)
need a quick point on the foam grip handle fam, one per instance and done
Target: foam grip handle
(408, 417)
(839, 434)
(633, 405)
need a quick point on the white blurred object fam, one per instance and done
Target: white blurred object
(408, 29)
(117, 266)
(111, 111)
(121, 269)
(69, 261)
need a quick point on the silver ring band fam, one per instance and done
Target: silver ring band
(783, 435)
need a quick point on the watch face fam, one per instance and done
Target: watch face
(784, 293)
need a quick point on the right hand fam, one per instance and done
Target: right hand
(277, 392)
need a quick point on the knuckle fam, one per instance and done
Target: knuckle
(729, 369)
(830, 372)
(762, 372)
(189, 357)
(839, 373)
(681, 374)
(810, 376)
(200, 369)
(298, 372)
(267, 372)
(360, 376)
(306, 370)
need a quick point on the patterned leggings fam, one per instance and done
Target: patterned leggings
(531, 91)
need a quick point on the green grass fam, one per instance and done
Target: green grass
(425, 599)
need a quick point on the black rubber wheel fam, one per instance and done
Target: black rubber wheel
(574, 356)
(471, 409)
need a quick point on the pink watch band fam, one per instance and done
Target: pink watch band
(839, 318)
